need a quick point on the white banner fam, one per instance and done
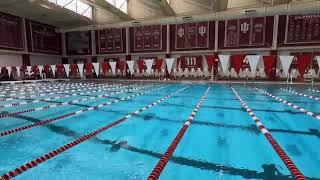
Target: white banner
(67, 69)
(130, 66)
(225, 61)
(113, 66)
(80, 67)
(9, 70)
(29, 70)
(169, 62)
(318, 60)
(53, 69)
(18, 70)
(149, 63)
(40, 67)
(96, 67)
(286, 62)
(253, 62)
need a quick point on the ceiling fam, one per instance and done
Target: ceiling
(105, 13)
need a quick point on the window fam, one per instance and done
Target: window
(76, 6)
(120, 4)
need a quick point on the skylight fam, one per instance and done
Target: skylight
(120, 4)
(76, 6)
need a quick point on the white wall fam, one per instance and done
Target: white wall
(10, 60)
(43, 59)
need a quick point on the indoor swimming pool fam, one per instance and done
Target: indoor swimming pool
(145, 130)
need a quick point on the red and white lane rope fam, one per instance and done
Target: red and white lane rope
(290, 104)
(55, 98)
(69, 102)
(46, 90)
(62, 91)
(40, 123)
(314, 90)
(301, 94)
(83, 138)
(155, 174)
(284, 157)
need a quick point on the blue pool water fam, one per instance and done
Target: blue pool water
(222, 141)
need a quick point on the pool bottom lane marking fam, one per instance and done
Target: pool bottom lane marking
(284, 157)
(156, 172)
(83, 138)
(290, 104)
(301, 94)
(9, 132)
(70, 102)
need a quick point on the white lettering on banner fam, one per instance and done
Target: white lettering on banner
(180, 32)
(244, 27)
(191, 61)
(202, 30)
(245, 60)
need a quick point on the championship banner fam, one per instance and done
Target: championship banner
(169, 63)
(67, 69)
(44, 38)
(190, 62)
(96, 67)
(225, 62)
(80, 67)
(130, 66)
(78, 43)
(245, 32)
(113, 66)
(11, 32)
(110, 40)
(302, 29)
(149, 63)
(253, 62)
(286, 62)
(53, 69)
(269, 62)
(147, 38)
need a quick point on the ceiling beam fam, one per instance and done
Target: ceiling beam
(104, 5)
(167, 8)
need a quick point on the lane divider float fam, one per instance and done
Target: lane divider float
(83, 138)
(289, 104)
(55, 98)
(301, 94)
(314, 90)
(62, 91)
(40, 123)
(284, 157)
(156, 172)
(68, 103)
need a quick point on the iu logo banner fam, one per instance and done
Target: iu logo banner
(190, 62)
(245, 31)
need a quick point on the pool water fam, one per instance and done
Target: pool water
(222, 142)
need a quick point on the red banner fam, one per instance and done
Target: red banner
(104, 67)
(74, 69)
(140, 63)
(190, 62)
(303, 29)
(121, 65)
(258, 31)
(237, 62)
(59, 69)
(46, 69)
(269, 63)
(88, 67)
(158, 63)
(210, 61)
(303, 63)
(244, 33)
(34, 69)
